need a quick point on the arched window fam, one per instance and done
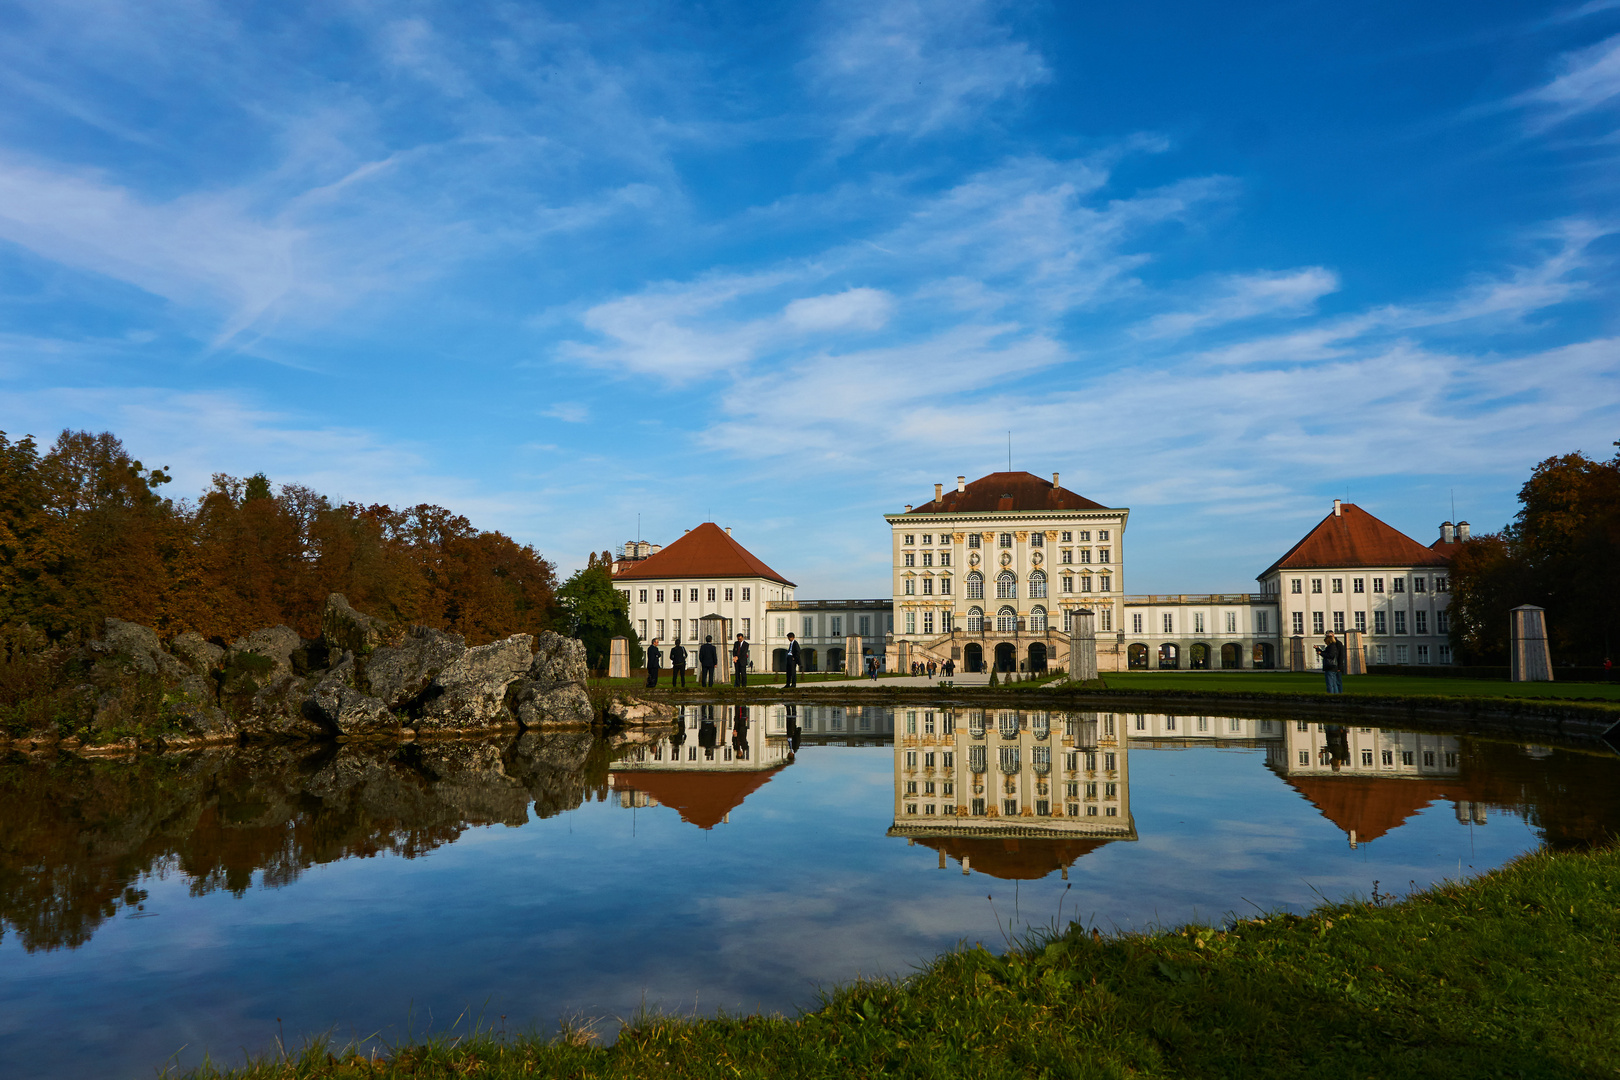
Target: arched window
(1006, 586)
(975, 620)
(1037, 585)
(975, 586)
(1037, 620)
(1006, 621)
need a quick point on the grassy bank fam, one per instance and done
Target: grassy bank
(1514, 974)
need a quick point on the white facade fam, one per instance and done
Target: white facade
(1202, 632)
(671, 608)
(821, 628)
(1402, 611)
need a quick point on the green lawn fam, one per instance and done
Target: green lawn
(1286, 682)
(1516, 974)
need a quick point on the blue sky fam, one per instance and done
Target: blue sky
(785, 266)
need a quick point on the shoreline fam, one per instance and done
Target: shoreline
(1514, 972)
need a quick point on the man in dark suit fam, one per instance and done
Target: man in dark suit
(708, 660)
(792, 662)
(655, 658)
(677, 666)
(739, 662)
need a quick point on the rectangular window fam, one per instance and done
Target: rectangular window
(1378, 584)
(1380, 624)
(1361, 621)
(1338, 584)
(660, 596)
(928, 586)
(1105, 583)
(1442, 622)
(1136, 622)
(944, 586)
(711, 596)
(694, 629)
(660, 625)
(1231, 622)
(1420, 622)
(1102, 536)
(1397, 585)
(973, 542)
(1304, 757)
(1445, 654)
(1068, 537)
(809, 628)
(1366, 758)
(641, 628)
(909, 539)
(928, 538)
(694, 596)
(866, 626)
(928, 558)
(1428, 759)
(781, 627)
(728, 596)
(1400, 622)
(928, 622)
(1388, 757)
(1108, 621)
(1356, 584)
(1381, 654)
(1198, 622)
(1338, 622)
(910, 559)
(1299, 622)
(1085, 555)
(911, 622)
(1401, 656)
(1316, 622)
(1169, 623)
(1066, 556)
(1084, 536)
(1406, 757)
(1316, 585)
(911, 587)
(1085, 582)
(1006, 540)
(747, 630)
(944, 558)
(1102, 555)
(1419, 584)
(1423, 654)
(837, 626)
(1442, 584)
(1262, 622)
(1294, 586)
(1108, 762)
(748, 594)
(1068, 583)
(643, 595)
(1037, 540)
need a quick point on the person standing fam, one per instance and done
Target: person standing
(792, 661)
(739, 662)
(708, 660)
(1333, 663)
(655, 658)
(677, 666)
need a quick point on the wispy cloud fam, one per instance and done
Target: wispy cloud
(910, 68)
(1588, 79)
(1236, 297)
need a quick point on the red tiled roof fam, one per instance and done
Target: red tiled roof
(1371, 806)
(1007, 491)
(1356, 538)
(705, 552)
(1014, 858)
(701, 798)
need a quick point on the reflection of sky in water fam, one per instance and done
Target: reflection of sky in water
(604, 909)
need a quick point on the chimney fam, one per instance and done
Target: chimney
(908, 508)
(1446, 532)
(1054, 479)
(728, 530)
(685, 531)
(656, 548)
(961, 483)
(1337, 508)
(939, 492)
(1462, 532)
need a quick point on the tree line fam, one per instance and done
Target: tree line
(85, 534)
(1561, 552)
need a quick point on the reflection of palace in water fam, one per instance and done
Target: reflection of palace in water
(713, 759)
(1368, 781)
(1013, 794)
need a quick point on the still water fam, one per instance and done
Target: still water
(157, 909)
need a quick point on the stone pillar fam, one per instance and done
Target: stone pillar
(619, 658)
(1528, 659)
(1355, 654)
(852, 656)
(1296, 654)
(902, 662)
(1083, 645)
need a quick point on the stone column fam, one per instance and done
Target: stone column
(1355, 654)
(903, 657)
(1296, 654)
(1529, 660)
(619, 658)
(852, 656)
(1083, 645)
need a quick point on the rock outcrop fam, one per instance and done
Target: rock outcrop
(344, 629)
(271, 685)
(635, 711)
(552, 692)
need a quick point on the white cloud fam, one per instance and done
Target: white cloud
(569, 412)
(914, 68)
(1588, 79)
(1246, 296)
(865, 309)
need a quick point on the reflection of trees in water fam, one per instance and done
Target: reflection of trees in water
(1572, 799)
(77, 836)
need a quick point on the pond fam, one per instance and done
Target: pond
(160, 908)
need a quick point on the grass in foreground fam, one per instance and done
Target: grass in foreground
(1288, 682)
(1516, 974)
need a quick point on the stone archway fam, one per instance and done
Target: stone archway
(973, 657)
(1198, 656)
(1169, 656)
(1231, 656)
(1137, 656)
(779, 660)
(835, 659)
(1037, 656)
(1006, 657)
(1265, 657)
(807, 659)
